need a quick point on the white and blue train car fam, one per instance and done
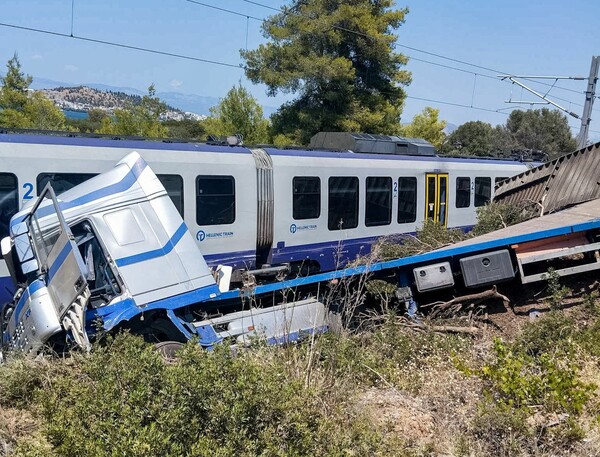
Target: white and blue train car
(252, 207)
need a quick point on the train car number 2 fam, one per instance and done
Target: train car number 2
(28, 191)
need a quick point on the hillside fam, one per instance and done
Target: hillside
(83, 98)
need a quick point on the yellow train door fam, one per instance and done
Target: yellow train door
(436, 197)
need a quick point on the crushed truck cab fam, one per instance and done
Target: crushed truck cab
(111, 247)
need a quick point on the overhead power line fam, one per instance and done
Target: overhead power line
(263, 5)
(460, 105)
(218, 8)
(121, 45)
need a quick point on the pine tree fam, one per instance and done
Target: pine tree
(338, 57)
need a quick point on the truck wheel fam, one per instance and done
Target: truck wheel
(168, 349)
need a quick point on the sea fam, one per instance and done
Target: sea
(75, 114)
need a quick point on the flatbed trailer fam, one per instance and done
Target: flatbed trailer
(521, 252)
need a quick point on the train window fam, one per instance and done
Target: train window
(378, 209)
(173, 184)
(215, 200)
(483, 191)
(61, 182)
(306, 202)
(343, 203)
(463, 192)
(407, 200)
(9, 201)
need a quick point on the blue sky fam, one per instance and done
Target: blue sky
(532, 37)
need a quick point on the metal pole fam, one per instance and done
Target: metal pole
(590, 94)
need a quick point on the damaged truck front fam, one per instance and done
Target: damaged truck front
(107, 250)
(114, 252)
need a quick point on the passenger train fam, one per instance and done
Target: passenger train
(251, 208)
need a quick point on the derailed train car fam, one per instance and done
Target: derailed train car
(267, 209)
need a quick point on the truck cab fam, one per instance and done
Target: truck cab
(109, 249)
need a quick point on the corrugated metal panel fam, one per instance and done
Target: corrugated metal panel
(570, 179)
(265, 200)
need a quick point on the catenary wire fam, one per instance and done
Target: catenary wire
(120, 45)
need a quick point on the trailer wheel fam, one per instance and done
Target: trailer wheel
(168, 349)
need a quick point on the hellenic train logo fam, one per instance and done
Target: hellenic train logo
(301, 228)
(200, 235)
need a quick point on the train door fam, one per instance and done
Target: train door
(436, 197)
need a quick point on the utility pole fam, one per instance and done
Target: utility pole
(590, 94)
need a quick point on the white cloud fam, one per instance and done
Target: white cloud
(176, 84)
(37, 57)
(70, 67)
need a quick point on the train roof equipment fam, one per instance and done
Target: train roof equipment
(372, 144)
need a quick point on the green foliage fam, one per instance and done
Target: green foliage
(495, 216)
(544, 129)
(19, 377)
(557, 291)
(281, 141)
(92, 124)
(428, 126)
(186, 129)
(552, 331)
(19, 110)
(430, 236)
(472, 138)
(345, 81)
(541, 130)
(238, 113)
(124, 399)
(503, 429)
(520, 380)
(138, 120)
(44, 114)
(387, 355)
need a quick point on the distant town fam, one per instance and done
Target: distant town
(84, 99)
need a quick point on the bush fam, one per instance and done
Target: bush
(430, 237)
(389, 354)
(495, 216)
(549, 380)
(123, 399)
(552, 332)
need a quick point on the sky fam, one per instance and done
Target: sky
(518, 37)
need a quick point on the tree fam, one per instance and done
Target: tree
(19, 109)
(472, 138)
(544, 130)
(187, 129)
(427, 126)
(14, 96)
(238, 113)
(43, 114)
(338, 57)
(138, 120)
(92, 124)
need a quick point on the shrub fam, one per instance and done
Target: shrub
(552, 332)
(502, 429)
(520, 380)
(388, 354)
(495, 216)
(429, 237)
(123, 399)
